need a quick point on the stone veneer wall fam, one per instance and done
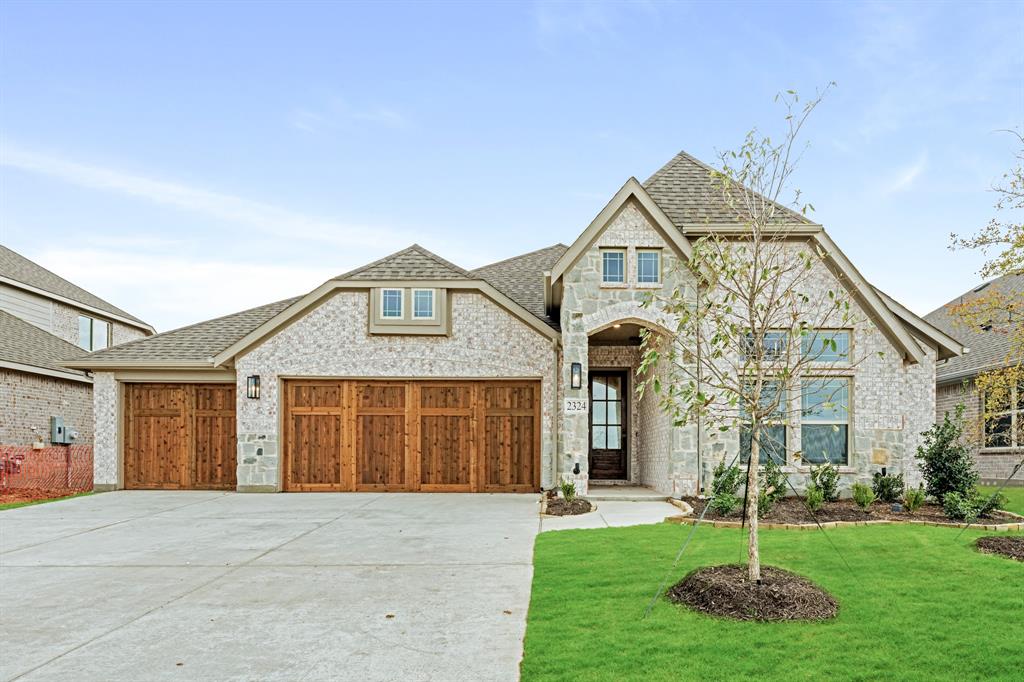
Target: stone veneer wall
(332, 341)
(994, 466)
(28, 401)
(105, 401)
(65, 326)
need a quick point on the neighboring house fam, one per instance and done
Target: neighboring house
(998, 444)
(412, 373)
(44, 320)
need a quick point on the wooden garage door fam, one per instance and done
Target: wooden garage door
(467, 436)
(179, 436)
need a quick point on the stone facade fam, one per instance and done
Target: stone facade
(65, 326)
(332, 341)
(27, 401)
(994, 464)
(106, 410)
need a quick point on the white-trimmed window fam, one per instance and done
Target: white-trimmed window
(648, 266)
(824, 345)
(613, 266)
(773, 345)
(423, 304)
(772, 440)
(391, 303)
(93, 334)
(1004, 420)
(825, 420)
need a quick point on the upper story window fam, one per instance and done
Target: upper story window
(826, 346)
(93, 334)
(423, 304)
(825, 420)
(391, 303)
(648, 266)
(613, 266)
(773, 345)
(1004, 423)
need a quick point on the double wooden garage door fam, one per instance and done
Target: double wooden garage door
(471, 436)
(179, 436)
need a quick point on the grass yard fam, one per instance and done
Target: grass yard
(1014, 497)
(921, 604)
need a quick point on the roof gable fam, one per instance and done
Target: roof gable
(521, 278)
(412, 263)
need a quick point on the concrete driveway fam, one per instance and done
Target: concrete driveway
(215, 586)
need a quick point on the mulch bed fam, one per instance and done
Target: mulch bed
(557, 506)
(1011, 546)
(9, 495)
(725, 591)
(792, 510)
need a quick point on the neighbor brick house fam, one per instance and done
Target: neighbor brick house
(998, 444)
(412, 373)
(45, 320)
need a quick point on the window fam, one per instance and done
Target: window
(423, 303)
(1004, 423)
(93, 334)
(648, 267)
(774, 344)
(826, 346)
(825, 420)
(772, 440)
(391, 303)
(613, 267)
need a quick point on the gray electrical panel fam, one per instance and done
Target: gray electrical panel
(61, 434)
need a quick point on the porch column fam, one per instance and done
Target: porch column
(575, 426)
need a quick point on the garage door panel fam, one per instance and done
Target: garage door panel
(315, 394)
(508, 452)
(215, 452)
(315, 452)
(446, 444)
(381, 452)
(380, 397)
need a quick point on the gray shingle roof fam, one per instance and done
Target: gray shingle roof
(686, 192)
(987, 348)
(21, 269)
(414, 262)
(27, 344)
(521, 278)
(195, 343)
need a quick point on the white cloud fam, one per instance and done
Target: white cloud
(905, 178)
(266, 218)
(337, 113)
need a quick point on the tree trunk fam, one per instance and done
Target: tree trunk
(753, 552)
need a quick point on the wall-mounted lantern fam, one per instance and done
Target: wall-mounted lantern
(252, 387)
(576, 376)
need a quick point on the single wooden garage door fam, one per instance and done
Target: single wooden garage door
(442, 436)
(179, 436)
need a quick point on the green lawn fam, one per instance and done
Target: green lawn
(921, 604)
(15, 505)
(1014, 496)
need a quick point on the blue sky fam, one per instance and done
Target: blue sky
(189, 160)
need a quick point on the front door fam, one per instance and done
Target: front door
(608, 421)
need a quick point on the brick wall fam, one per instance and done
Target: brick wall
(28, 401)
(994, 466)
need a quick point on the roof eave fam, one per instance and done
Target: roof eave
(45, 371)
(78, 304)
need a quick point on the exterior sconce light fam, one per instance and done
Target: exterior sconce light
(252, 387)
(576, 376)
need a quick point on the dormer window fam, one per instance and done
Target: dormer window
(423, 304)
(391, 304)
(648, 266)
(613, 266)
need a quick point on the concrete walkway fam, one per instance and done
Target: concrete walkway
(613, 513)
(221, 586)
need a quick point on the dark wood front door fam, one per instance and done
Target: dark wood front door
(608, 420)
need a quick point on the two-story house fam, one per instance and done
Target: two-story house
(45, 320)
(414, 374)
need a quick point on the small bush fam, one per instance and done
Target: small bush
(947, 463)
(815, 498)
(726, 479)
(568, 490)
(986, 504)
(772, 488)
(969, 507)
(863, 495)
(724, 503)
(913, 499)
(888, 488)
(826, 477)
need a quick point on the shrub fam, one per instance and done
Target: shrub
(724, 503)
(815, 498)
(568, 490)
(888, 488)
(863, 495)
(913, 498)
(969, 507)
(826, 477)
(772, 488)
(724, 487)
(986, 504)
(947, 463)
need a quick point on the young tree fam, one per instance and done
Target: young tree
(1000, 311)
(757, 319)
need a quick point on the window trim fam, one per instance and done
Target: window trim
(433, 304)
(92, 322)
(661, 270)
(848, 423)
(401, 304)
(624, 252)
(832, 330)
(1016, 413)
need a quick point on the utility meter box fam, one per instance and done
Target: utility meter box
(61, 434)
